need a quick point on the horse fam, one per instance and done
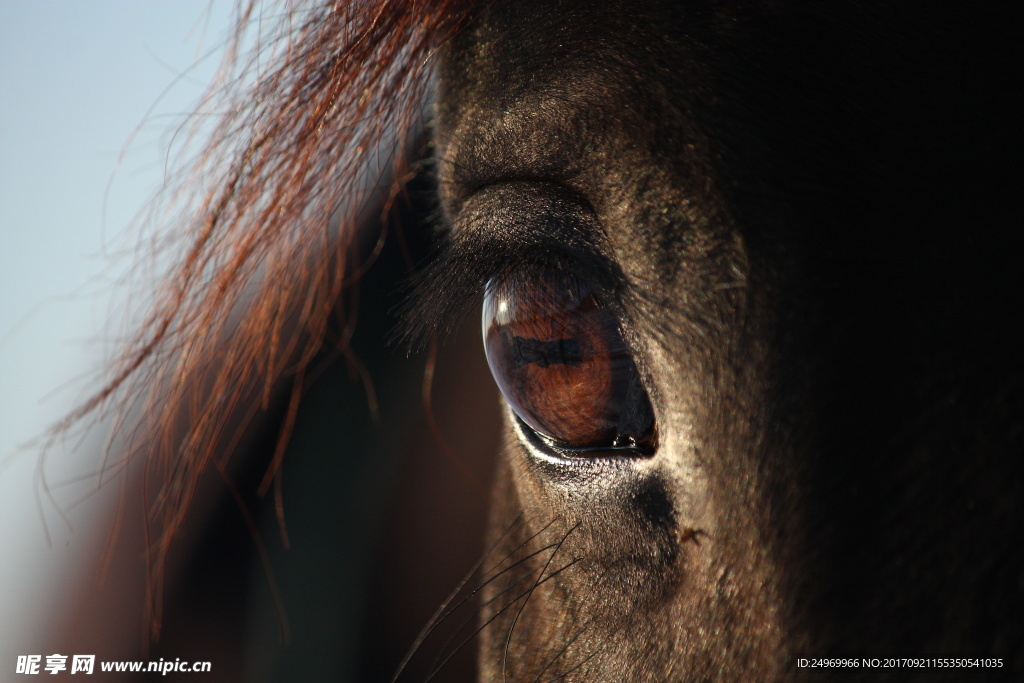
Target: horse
(748, 279)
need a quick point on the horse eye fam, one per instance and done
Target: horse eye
(562, 365)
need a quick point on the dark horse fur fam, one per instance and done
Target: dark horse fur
(807, 219)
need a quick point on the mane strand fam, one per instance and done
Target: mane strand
(259, 262)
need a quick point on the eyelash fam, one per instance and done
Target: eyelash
(504, 229)
(429, 307)
(451, 284)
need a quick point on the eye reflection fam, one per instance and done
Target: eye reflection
(562, 365)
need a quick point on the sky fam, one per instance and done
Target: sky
(77, 81)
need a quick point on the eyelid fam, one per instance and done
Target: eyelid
(500, 231)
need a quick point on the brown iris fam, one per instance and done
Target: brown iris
(562, 365)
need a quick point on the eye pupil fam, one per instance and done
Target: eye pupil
(562, 365)
(526, 350)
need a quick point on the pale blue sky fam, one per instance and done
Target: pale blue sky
(76, 79)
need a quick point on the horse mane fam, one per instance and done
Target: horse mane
(314, 117)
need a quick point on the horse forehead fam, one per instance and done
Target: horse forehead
(650, 209)
(575, 105)
(527, 86)
(582, 140)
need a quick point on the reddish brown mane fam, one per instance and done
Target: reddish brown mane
(263, 255)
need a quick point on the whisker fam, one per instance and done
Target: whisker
(440, 614)
(447, 609)
(558, 654)
(519, 547)
(583, 609)
(568, 671)
(438, 663)
(580, 631)
(472, 617)
(526, 593)
(508, 640)
(493, 599)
